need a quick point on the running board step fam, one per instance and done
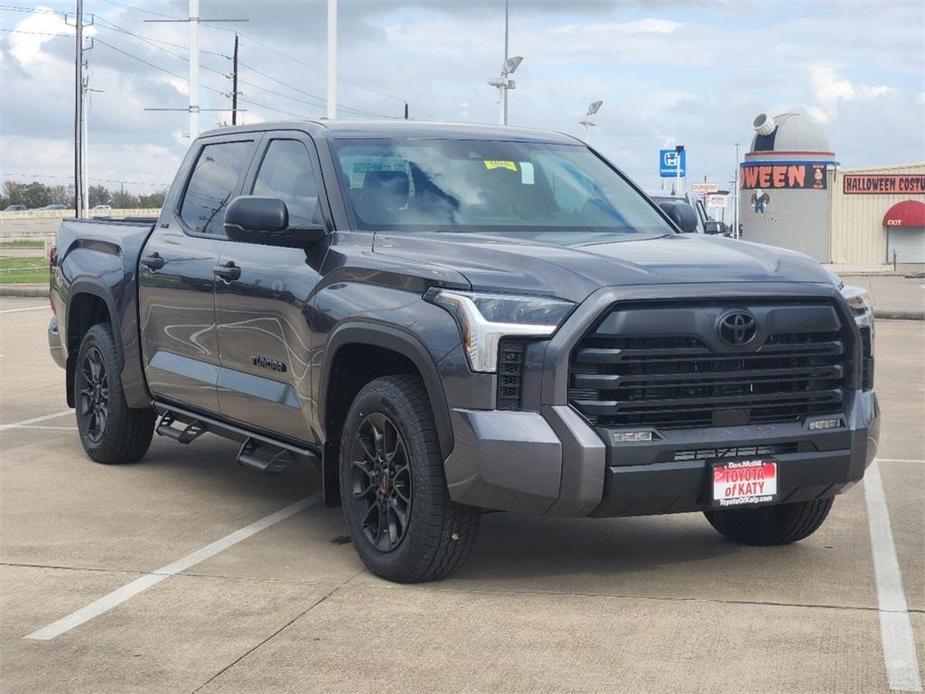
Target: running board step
(188, 434)
(264, 457)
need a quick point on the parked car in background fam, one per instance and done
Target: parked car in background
(690, 215)
(449, 319)
(15, 208)
(55, 206)
(105, 208)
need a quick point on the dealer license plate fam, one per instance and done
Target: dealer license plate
(744, 482)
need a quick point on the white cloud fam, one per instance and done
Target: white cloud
(830, 90)
(650, 25)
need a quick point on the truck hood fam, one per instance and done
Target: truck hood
(573, 271)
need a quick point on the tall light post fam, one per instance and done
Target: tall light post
(504, 83)
(735, 210)
(588, 120)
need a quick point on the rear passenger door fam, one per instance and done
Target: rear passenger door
(176, 275)
(262, 316)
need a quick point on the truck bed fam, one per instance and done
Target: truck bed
(97, 259)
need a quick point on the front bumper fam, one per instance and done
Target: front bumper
(552, 462)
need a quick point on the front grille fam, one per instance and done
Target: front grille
(510, 374)
(622, 377)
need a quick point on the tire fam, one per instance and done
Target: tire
(396, 505)
(110, 431)
(771, 525)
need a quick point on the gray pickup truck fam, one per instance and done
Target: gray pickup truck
(449, 319)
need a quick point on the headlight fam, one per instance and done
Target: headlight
(483, 319)
(859, 302)
(857, 298)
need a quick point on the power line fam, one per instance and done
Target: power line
(106, 180)
(154, 65)
(112, 26)
(287, 56)
(38, 33)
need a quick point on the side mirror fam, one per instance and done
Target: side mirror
(711, 227)
(681, 214)
(265, 221)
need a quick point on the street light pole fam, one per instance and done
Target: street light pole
(735, 211)
(332, 60)
(677, 163)
(588, 120)
(504, 83)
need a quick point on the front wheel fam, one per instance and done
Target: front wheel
(771, 525)
(396, 505)
(110, 431)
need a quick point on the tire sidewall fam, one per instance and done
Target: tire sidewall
(387, 398)
(100, 337)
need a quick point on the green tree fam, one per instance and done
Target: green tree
(153, 200)
(99, 195)
(35, 195)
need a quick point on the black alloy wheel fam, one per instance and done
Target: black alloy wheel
(93, 403)
(380, 481)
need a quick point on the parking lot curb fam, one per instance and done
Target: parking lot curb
(899, 314)
(24, 290)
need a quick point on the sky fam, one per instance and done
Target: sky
(691, 73)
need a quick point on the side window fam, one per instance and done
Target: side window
(211, 186)
(286, 173)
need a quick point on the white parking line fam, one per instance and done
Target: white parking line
(896, 634)
(35, 420)
(30, 308)
(129, 590)
(899, 460)
(41, 427)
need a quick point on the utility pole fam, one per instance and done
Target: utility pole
(78, 109)
(234, 83)
(406, 110)
(332, 60)
(194, 20)
(193, 69)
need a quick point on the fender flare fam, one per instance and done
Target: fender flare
(101, 291)
(407, 345)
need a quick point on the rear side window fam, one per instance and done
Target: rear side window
(286, 173)
(211, 186)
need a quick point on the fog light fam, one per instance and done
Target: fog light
(630, 436)
(825, 424)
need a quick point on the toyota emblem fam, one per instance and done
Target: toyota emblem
(737, 328)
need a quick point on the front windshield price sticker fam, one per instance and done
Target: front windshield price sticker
(495, 164)
(739, 482)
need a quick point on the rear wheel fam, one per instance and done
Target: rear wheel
(401, 519)
(110, 431)
(771, 525)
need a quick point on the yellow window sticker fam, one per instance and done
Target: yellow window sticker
(495, 164)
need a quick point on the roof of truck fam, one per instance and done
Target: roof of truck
(407, 128)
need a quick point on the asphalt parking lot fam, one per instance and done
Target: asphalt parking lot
(638, 605)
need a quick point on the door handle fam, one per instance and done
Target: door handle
(228, 272)
(153, 261)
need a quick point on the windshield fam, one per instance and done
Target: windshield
(490, 186)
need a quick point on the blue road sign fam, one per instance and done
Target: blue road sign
(668, 163)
